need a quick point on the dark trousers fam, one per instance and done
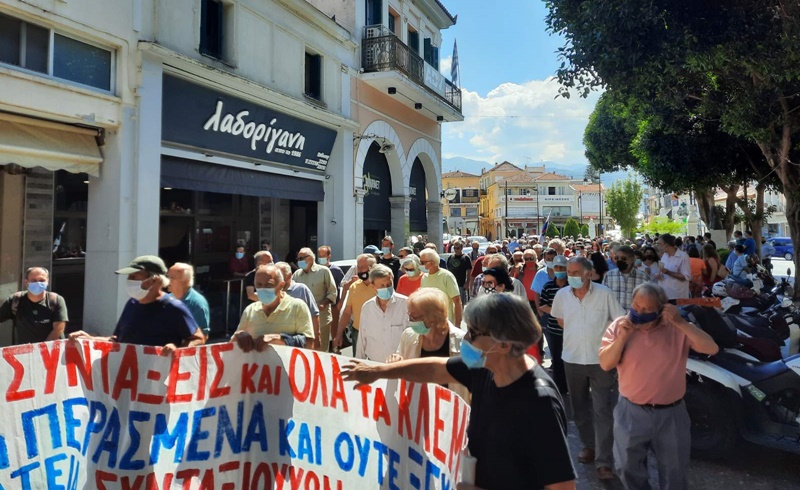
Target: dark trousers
(593, 394)
(556, 344)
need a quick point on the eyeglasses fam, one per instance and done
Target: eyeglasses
(302, 257)
(408, 270)
(621, 258)
(472, 334)
(530, 259)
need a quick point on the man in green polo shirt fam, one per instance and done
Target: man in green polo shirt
(442, 280)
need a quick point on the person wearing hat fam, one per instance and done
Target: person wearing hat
(151, 317)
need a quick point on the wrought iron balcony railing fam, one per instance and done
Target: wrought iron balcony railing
(381, 50)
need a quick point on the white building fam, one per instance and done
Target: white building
(186, 127)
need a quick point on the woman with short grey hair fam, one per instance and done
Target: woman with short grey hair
(411, 278)
(504, 383)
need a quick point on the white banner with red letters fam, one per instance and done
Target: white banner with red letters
(118, 416)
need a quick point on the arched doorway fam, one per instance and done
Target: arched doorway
(377, 180)
(418, 210)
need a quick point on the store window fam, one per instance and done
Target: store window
(71, 198)
(44, 51)
(455, 211)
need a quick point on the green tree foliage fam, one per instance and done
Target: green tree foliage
(662, 224)
(571, 228)
(735, 62)
(624, 199)
(552, 231)
(585, 230)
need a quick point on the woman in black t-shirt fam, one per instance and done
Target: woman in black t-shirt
(517, 428)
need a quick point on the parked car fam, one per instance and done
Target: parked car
(783, 247)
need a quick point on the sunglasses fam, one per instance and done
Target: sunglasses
(472, 334)
(302, 257)
(408, 270)
(530, 259)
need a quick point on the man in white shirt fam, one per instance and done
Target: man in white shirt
(584, 310)
(383, 318)
(675, 271)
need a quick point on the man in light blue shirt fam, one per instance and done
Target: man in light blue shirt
(731, 256)
(740, 266)
(181, 280)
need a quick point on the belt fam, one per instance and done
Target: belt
(658, 406)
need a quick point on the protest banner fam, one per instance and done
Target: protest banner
(118, 416)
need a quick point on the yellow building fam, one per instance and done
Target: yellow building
(461, 202)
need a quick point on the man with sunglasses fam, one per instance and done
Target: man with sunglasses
(460, 265)
(625, 278)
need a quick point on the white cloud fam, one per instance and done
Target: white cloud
(521, 123)
(444, 66)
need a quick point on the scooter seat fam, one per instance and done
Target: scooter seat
(747, 369)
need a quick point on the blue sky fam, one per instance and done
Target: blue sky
(507, 61)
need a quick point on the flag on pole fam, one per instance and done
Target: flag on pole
(454, 65)
(544, 228)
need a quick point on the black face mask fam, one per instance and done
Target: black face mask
(623, 265)
(363, 276)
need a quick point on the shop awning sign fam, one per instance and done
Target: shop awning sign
(201, 117)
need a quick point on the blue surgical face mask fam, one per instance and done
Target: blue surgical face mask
(386, 250)
(548, 264)
(385, 293)
(637, 263)
(37, 288)
(560, 274)
(412, 273)
(419, 327)
(423, 269)
(641, 318)
(575, 282)
(266, 295)
(322, 260)
(473, 357)
(483, 268)
(239, 255)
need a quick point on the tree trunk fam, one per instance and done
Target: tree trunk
(730, 211)
(755, 220)
(705, 206)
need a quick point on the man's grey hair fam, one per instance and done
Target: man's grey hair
(653, 291)
(307, 251)
(506, 318)
(429, 252)
(285, 268)
(262, 253)
(626, 250)
(188, 272)
(388, 238)
(557, 243)
(371, 260)
(380, 271)
(497, 257)
(583, 261)
(412, 260)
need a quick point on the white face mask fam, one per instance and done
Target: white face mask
(135, 290)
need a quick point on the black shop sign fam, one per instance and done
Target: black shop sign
(200, 117)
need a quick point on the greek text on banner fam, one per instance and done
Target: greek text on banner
(119, 416)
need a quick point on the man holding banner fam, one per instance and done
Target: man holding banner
(276, 318)
(151, 317)
(511, 451)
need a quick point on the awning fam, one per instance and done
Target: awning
(182, 173)
(54, 146)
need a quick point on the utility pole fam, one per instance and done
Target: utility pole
(505, 230)
(600, 197)
(536, 190)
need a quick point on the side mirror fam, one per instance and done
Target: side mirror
(788, 271)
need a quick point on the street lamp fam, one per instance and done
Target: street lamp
(580, 199)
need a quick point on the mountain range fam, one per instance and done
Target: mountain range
(575, 171)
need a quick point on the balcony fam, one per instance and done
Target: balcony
(393, 68)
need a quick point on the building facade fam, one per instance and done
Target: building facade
(461, 193)
(189, 127)
(516, 201)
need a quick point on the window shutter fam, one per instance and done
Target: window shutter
(427, 52)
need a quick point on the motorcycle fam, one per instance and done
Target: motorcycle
(732, 394)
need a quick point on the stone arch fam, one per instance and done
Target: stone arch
(423, 149)
(383, 132)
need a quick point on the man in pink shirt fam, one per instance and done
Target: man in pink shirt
(649, 348)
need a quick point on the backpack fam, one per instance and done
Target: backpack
(52, 301)
(722, 271)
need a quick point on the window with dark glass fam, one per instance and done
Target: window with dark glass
(313, 80)
(374, 12)
(431, 53)
(413, 40)
(23, 44)
(81, 62)
(211, 22)
(393, 18)
(551, 191)
(71, 198)
(455, 211)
